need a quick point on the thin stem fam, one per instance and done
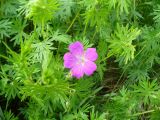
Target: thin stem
(84, 31)
(104, 59)
(72, 22)
(42, 32)
(127, 67)
(68, 29)
(94, 34)
(7, 104)
(134, 5)
(142, 113)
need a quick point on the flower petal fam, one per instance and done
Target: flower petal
(91, 54)
(69, 60)
(89, 68)
(77, 71)
(76, 48)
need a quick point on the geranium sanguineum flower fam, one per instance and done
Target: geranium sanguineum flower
(80, 62)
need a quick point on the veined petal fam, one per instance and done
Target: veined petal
(77, 71)
(91, 54)
(69, 60)
(76, 48)
(89, 68)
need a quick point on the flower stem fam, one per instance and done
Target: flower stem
(72, 22)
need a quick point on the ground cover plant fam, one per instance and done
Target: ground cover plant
(79, 59)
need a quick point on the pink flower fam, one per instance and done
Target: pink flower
(80, 62)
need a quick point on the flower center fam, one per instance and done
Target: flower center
(81, 60)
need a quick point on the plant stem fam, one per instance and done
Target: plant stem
(68, 29)
(94, 34)
(84, 31)
(72, 22)
(42, 29)
(134, 4)
(142, 113)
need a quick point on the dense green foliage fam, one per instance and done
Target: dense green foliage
(34, 36)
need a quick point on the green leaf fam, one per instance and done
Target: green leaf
(5, 28)
(121, 43)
